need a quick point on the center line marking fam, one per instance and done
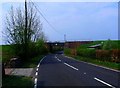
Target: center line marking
(70, 66)
(104, 82)
(58, 59)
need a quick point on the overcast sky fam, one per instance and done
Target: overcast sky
(78, 20)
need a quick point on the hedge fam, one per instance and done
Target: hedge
(108, 55)
(86, 52)
(67, 51)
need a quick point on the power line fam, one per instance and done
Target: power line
(45, 18)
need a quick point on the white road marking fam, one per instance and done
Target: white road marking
(36, 73)
(42, 60)
(104, 82)
(38, 65)
(37, 69)
(58, 59)
(35, 86)
(93, 64)
(35, 81)
(70, 66)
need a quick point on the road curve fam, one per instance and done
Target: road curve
(58, 70)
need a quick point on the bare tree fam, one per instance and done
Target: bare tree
(22, 29)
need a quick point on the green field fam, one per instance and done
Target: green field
(115, 44)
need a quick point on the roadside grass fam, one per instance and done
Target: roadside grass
(33, 62)
(17, 82)
(115, 44)
(112, 65)
(7, 52)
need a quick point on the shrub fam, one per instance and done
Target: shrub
(86, 52)
(73, 52)
(33, 49)
(109, 45)
(67, 51)
(40, 47)
(108, 55)
(104, 55)
(115, 55)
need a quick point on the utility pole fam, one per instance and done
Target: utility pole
(25, 32)
(25, 21)
(65, 37)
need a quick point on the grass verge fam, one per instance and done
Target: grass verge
(17, 82)
(112, 65)
(33, 62)
(6, 52)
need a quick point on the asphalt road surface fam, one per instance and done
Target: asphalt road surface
(59, 70)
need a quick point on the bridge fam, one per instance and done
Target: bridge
(59, 46)
(55, 46)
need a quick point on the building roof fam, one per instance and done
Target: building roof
(95, 46)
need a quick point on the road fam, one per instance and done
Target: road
(59, 70)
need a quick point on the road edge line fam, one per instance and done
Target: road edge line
(42, 60)
(36, 72)
(93, 64)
